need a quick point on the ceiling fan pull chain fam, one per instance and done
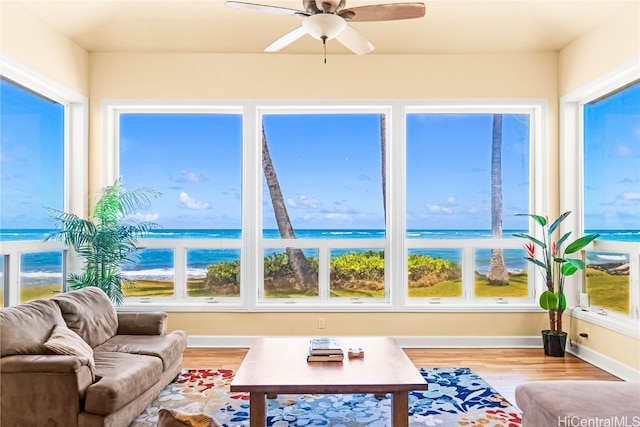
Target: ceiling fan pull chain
(324, 47)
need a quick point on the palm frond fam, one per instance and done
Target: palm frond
(108, 240)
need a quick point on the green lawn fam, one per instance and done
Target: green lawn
(605, 290)
(608, 291)
(341, 293)
(517, 288)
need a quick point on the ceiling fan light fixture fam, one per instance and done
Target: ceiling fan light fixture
(324, 25)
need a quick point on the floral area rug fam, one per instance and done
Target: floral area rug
(456, 397)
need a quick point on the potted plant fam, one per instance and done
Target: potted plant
(107, 241)
(554, 267)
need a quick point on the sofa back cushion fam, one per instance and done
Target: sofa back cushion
(89, 313)
(64, 341)
(24, 328)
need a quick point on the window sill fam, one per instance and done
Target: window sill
(625, 326)
(343, 306)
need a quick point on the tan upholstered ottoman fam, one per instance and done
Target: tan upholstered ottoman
(578, 403)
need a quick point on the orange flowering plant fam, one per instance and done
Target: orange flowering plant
(553, 264)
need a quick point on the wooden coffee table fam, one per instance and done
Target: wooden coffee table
(279, 366)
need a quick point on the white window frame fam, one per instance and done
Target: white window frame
(572, 196)
(75, 168)
(537, 109)
(395, 244)
(112, 109)
(324, 246)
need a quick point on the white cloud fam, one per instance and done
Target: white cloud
(303, 202)
(439, 209)
(342, 216)
(629, 197)
(150, 217)
(189, 203)
(188, 176)
(623, 150)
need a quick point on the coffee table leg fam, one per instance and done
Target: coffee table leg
(400, 412)
(257, 409)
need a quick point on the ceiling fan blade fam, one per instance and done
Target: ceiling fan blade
(266, 8)
(286, 40)
(354, 41)
(384, 12)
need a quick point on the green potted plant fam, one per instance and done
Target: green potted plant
(108, 240)
(554, 267)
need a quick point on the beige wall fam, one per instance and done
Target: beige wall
(614, 42)
(229, 76)
(346, 324)
(617, 346)
(201, 76)
(27, 40)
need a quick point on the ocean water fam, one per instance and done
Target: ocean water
(157, 264)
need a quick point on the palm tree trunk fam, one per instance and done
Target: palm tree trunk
(297, 260)
(498, 274)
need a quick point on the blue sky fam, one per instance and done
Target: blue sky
(329, 169)
(612, 161)
(193, 159)
(31, 152)
(329, 166)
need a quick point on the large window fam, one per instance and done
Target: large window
(467, 175)
(612, 194)
(32, 144)
(323, 180)
(194, 159)
(353, 206)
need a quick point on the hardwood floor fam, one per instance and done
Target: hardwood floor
(504, 369)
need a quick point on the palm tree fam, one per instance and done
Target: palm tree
(107, 241)
(498, 274)
(297, 260)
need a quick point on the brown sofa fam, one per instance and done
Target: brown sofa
(579, 403)
(72, 360)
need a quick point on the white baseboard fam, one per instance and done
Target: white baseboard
(602, 361)
(407, 342)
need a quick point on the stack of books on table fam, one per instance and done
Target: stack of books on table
(325, 350)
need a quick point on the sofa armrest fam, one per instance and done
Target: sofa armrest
(142, 323)
(42, 389)
(42, 364)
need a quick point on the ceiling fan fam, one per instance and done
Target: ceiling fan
(327, 19)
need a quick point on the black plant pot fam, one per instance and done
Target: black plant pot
(554, 344)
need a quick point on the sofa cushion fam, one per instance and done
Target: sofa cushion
(24, 328)
(122, 377)
(577, 402)
(89, 313)
(168, 348)
(64, 341)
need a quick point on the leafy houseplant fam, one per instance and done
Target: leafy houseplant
(107, 241)
(554, 267)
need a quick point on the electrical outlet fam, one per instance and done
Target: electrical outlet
(321, 323)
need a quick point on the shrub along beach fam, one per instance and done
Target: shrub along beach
(353, 274)
(360, 275)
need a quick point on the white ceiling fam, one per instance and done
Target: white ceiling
(450, 26)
